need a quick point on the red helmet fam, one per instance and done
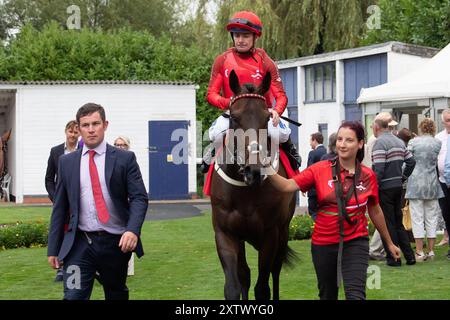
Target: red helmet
(245, 21)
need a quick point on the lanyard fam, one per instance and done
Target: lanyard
(342, 204)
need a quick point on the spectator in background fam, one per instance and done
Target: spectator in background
(406, 135)
(389, 155)
(51, 175)
(444, 169)
(122, 142)
(376, 248)
(423, 189)
(318, 150)
(71, 144)
(331, 148)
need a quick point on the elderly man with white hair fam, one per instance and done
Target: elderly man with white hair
(388, 156)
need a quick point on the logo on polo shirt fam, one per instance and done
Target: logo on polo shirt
(360, 186)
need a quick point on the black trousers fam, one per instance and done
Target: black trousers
(92, 252)
(444, 203)
(390, 202)
(355, 261)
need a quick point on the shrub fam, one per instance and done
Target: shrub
(301, 227)
(23, 235)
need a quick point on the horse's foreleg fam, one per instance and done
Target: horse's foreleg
(266, 258)
(243, 271)
(228, 249)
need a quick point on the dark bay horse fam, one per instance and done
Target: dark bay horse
(250, 211)
(3, 149)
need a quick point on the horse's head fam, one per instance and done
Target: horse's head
(248, 120)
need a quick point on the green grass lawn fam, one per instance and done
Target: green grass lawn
(180, 262)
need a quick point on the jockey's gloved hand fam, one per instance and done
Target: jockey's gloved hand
(275, 117)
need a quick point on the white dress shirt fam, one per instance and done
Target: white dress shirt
(88, 213)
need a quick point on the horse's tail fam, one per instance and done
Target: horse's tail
(290, 257)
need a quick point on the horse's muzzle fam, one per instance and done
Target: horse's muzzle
(252, 175)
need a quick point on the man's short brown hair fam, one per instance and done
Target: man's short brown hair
(317, 136)
(90, 108)
(71, 124)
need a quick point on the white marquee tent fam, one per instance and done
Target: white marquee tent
(431, 80)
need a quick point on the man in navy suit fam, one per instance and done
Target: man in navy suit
(71, 144)
(102, 188)
(318, 150)
(72, 134)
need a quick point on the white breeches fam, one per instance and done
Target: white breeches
(221, 125)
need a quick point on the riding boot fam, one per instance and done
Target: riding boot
(207, 158)
(294, 158)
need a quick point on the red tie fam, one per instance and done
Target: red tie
(100, 204)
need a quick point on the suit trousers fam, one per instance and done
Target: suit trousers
(312, 207)
(96, 252)
(390, 202)
(444, 203)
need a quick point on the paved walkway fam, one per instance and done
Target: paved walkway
(164, 210)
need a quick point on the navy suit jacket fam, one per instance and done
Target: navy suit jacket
(126, 188)
(52, 169)
(313, 157)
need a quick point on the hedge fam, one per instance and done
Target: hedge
(301, 227)
(23, 235)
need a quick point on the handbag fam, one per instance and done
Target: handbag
(407, 217)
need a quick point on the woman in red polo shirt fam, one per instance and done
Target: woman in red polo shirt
(340, 245)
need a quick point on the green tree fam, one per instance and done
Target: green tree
(155, 16)
(56, 54)
(422, 22)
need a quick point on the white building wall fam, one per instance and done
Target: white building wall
(128, 108)
(399, 64)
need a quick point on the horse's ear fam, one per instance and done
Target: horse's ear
(265, 85)
(234, 83)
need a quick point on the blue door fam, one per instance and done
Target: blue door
(168, 160)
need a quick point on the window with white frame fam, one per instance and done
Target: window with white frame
(320, 82)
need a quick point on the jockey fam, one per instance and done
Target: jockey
(250, 65)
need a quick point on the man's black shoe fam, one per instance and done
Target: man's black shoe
(394, 263)
(59, 275)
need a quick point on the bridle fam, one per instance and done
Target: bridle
(246, 95)
(254, 148)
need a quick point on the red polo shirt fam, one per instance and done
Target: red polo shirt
(326, 227)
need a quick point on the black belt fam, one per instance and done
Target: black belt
(100, 233)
